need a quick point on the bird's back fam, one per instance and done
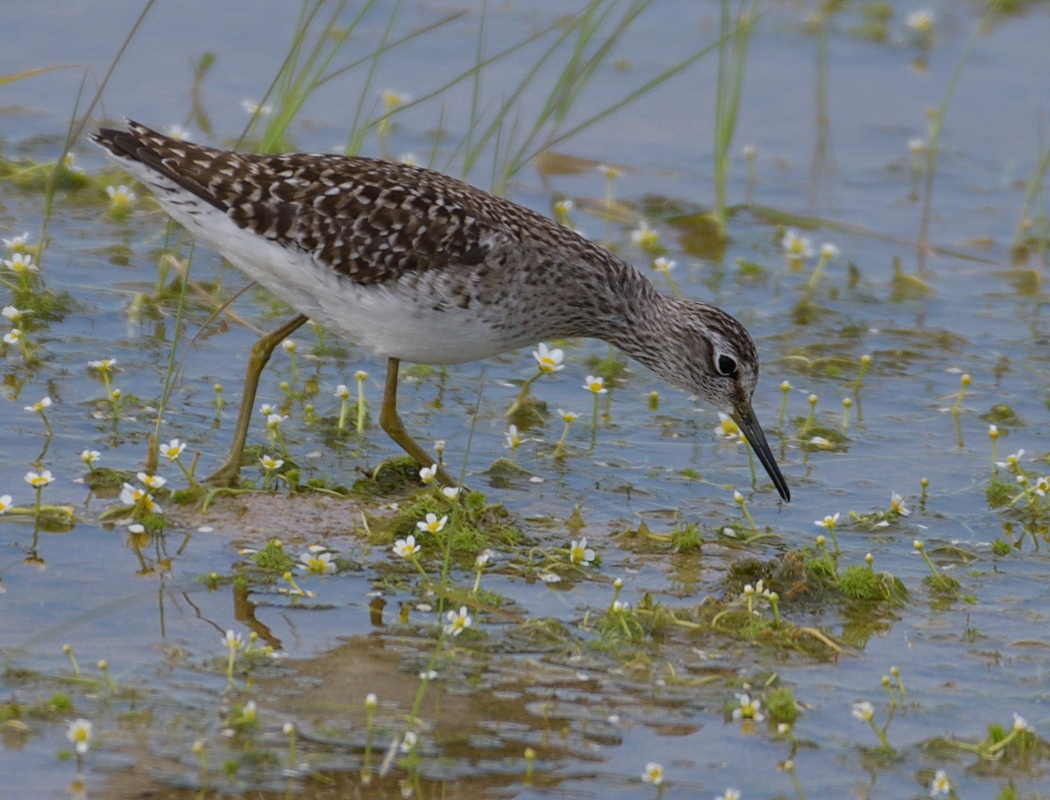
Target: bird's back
(368, 219)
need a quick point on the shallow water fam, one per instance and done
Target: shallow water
(594, 710)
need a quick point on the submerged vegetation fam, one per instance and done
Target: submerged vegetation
(516, 625)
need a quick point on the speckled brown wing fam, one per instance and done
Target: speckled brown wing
(371, 220)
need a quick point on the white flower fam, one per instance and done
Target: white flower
(120, 196)
(392, 99)
(288, 345)
(730, 794)
(409, 742)
(513, 439)
(5, 503)
(897, 505)
(758, 588)
(748, 708)
(254, 108)
(132, 495)
(920, 21)
(941, 784)
(371, 701)
(1012, 461)
(13, 314)
(90, 456)
(39, 406)
(644, 236)
(593, 384)
(609, 172)
(317, 563)
(79, 733)
(482, 559)
(620, 607)
(20, 263)
(14, 336)
(1020, 723)
(151, 481)
(828, 522)
(568, 416)
(654, 773)
(580, 553)
(432, 524)
(727, 428)
(451, 492)
(407, 547)
(796, 246)
(664, 265)
(39, 480)
(916, 146)
(863, 711)
(828, 251)
(17, 244)
(342, 392)
(549, 361)
(270, 464)
(173, 449)
(428, 474)
(458, 621)
(233, 640)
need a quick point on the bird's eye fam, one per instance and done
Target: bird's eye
(726, 365)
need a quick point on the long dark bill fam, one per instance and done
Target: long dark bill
(748, 422)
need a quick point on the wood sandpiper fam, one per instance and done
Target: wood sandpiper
(416, 266)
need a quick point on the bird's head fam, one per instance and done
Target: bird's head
(716, 360)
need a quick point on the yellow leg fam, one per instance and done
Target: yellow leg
(229, 473)
(390, 422)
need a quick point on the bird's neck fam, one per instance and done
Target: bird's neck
(623, 308)
(652, 334)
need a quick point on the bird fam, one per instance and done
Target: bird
(415, 265)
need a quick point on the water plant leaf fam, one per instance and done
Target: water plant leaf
(30, 73)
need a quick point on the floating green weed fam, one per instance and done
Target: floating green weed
(866, 586)
(473, 524)
(937, 580)
(271, 557)
(1013, 748)
(687, 538)
(781, 705)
